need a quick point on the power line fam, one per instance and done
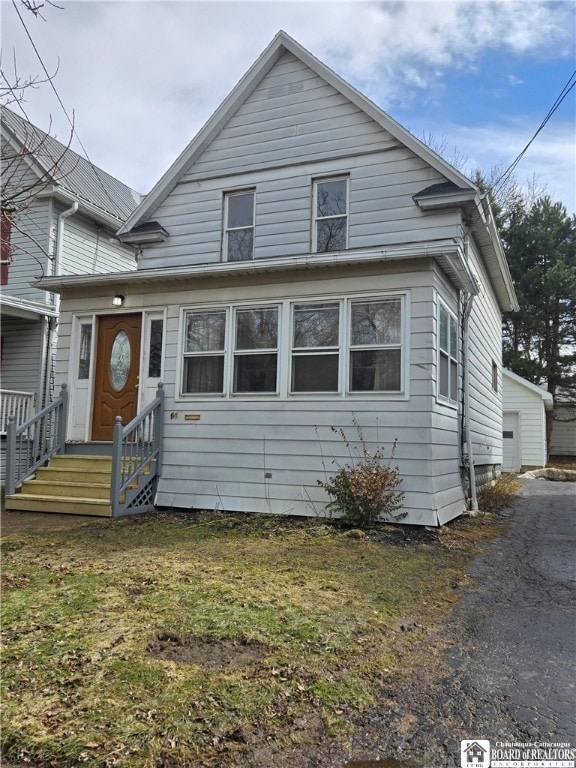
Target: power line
(560, 98)
(74, 131)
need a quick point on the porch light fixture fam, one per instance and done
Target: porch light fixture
(118, 300)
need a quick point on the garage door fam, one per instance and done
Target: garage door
(511, 434)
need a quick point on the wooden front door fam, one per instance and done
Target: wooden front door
(117, 369)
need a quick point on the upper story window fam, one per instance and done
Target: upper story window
(330, 215)
(447, 356)
(376, 345)
(239, 226)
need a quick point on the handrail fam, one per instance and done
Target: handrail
(137, 458)
(32, 443)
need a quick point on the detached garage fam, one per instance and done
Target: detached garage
(524, 423)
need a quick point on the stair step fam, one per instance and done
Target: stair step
(25, 502)
(74, 474)
(72, 461)
(84, 490)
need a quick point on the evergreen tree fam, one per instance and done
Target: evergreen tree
(540, 339)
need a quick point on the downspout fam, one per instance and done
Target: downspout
(60, 243)
(466, 388)
(50, 325)
(467, 430)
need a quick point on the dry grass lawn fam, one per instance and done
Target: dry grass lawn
(175, 640)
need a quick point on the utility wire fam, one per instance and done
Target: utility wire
(94, 168)
(561, 96)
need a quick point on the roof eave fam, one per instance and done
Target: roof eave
(446, 251)
(84, 206)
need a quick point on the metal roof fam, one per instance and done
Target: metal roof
(74, 174)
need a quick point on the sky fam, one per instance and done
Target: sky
(141, 77)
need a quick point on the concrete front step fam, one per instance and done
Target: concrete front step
(25, 502)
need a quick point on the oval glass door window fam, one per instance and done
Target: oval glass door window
(120, 361)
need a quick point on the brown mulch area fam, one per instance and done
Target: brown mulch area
(562, 462)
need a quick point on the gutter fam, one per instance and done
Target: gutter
(86, 207)
(466, 388)
(443, 249)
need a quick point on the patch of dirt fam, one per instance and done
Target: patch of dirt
(562, 462)
(207, 652)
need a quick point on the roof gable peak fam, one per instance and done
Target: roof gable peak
(281, 43)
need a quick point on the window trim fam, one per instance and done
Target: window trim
(226, 229)
(284, 370)
(337, 350)
(236, 353)
(213, 353)
(315, 218)
(452, 358)
(400, 346)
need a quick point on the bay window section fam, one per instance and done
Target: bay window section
(204, 348)
(256, 350)
(447, 356)
(239, 226)
(376, 346)
(330, 215)
(315, 347)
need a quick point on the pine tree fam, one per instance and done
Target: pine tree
(540, 339)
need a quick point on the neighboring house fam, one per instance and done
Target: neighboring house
(563, 438)
(67, 215)
(524, 423)
(305, 263)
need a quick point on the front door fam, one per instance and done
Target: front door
(117, 369)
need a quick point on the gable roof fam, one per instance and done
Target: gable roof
(76, 175)
(281, 44)
(534, 388)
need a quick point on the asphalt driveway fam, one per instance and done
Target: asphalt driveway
(510, 647)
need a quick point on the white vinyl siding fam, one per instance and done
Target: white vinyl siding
(90, 248)
(293, 130)
(528, 404)
(221, 455)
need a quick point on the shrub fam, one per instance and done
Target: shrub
(365, 491)
(499, 496)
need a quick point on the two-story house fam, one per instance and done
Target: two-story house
(306, 263)
(60, 217)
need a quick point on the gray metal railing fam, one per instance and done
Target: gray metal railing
(29, 445)
(137, 459)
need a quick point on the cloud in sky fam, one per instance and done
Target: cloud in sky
(142, 77)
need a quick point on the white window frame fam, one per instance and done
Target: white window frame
(451, 355)
(318, 351)
(236, 353)
(315, 218)
(375, 347)
(205, 353)
(227, 229)
(285, 348)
